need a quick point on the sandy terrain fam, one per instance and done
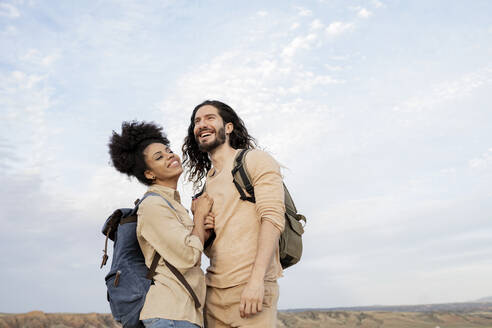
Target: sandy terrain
(298, 319)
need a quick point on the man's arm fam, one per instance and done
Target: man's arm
(253, 293)
(269, 193)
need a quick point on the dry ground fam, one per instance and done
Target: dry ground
(306, 319)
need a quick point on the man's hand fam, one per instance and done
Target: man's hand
(252, 298)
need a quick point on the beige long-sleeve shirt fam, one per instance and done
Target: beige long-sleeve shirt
(162, 229)
(237, 222)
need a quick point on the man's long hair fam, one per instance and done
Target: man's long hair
(197, 162)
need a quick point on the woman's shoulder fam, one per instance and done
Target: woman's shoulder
(154, 201)
(159, 206)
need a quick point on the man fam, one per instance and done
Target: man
(242, 289)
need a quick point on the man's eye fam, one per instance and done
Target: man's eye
(158, 158)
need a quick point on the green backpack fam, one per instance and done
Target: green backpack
(290, 243)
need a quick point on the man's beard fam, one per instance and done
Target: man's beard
(220, 138)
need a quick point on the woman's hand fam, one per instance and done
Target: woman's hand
(209, 224)
(201, 206)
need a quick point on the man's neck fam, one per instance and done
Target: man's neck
(220, 155)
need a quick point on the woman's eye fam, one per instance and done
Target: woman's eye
(158, 158)
(169, 151)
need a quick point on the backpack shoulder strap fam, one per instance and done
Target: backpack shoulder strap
(240, 177)
(172, 268)
(151, 193)
(175, 271)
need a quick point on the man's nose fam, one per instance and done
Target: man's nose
(199, 124)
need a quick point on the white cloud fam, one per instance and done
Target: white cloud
(361, 214)
(377, 4)
(364, 13)
(9, 30)
(337, 28)
(448, 171)
(304, 11)
(316, 25)
(464, 86)
(482, 162)
(106, 183)
(300, 42)
(339, 58)
(260, 87)
(34, 56)
(25, 99)
(18, 75)
(295, 26)
(333, 68)
(24, 81)
(447, 91)
(50, 59)
(262, 13)
(31, 53)
(9, 10)
(361, 11)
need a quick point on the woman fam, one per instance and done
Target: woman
(142, 150)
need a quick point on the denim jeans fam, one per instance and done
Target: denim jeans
(166, 323)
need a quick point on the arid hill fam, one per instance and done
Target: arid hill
(335, 319)
(38, 319)
(461, 317)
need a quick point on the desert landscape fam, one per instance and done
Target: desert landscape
(453, 315)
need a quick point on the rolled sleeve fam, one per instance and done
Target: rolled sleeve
(269, 190)
(161, 228)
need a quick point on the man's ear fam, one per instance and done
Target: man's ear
(229, 127)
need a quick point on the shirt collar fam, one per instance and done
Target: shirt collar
(167, 192)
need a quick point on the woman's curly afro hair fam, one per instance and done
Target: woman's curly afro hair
(126, 149)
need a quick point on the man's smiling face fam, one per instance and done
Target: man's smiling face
(209, 128)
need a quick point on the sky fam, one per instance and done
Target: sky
(379, 112)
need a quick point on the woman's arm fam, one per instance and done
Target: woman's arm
(200, 208)
(159, 226)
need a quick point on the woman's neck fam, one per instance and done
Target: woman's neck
(170, 183)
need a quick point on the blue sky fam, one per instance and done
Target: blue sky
(379, 111)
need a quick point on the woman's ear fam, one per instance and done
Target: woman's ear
(149, 175)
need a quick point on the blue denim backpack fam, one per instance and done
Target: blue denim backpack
(129, 279)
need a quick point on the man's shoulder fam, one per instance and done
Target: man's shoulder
(256, 153)
(260, 158)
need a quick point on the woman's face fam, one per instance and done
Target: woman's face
(163, 165)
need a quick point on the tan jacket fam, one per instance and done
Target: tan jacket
(237, 222)
(168, 232)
